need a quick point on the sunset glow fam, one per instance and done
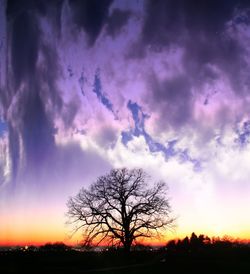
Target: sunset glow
(158, 85)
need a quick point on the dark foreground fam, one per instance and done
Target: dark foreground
(213, 261)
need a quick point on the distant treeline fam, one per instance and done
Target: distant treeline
(194, 244)
(48, 247)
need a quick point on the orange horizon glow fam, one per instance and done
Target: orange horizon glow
(37, 240)
(36, 225)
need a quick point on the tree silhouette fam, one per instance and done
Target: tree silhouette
(119, 208)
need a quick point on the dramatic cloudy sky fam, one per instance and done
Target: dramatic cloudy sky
(86, 86)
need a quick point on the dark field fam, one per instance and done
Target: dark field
(209, 261)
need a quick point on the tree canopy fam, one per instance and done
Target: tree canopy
(119, 208)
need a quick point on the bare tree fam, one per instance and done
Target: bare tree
(119, 208)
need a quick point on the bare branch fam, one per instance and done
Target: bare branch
(119, 208)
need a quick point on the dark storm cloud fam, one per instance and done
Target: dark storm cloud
(173, 97)
(172, 19)
(201, 29)
(51, 9)
(25, 42)
(24, 47)
(32, 99)
(116, 21)
(22, 28)
(198, 27)
(225, 53)
(91, 16)
(47, 75)
(32, 94)
(40, 6)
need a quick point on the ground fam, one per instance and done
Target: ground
(234, 262)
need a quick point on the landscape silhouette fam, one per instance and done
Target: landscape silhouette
(124, 136)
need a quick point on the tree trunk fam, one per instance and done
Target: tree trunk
(127, 247)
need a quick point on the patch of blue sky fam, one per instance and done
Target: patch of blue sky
(97, 89)
(169, 150)
(126, 137)
(243, 134)
(3, 128)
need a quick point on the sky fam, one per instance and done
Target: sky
(87, 86)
